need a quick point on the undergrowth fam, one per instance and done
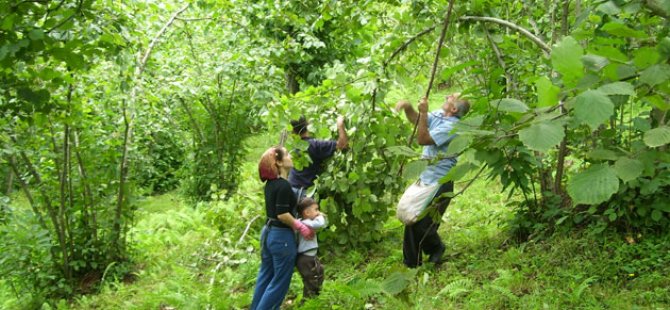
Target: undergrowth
(206, 256)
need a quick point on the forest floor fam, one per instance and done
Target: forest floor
(205, 256)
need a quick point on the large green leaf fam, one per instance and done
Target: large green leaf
(401, 150)
(618, 88)
(458, 172)
(458, 144)
(547, 92)
(594, 185)
(414, 169)
(542, 136)
(655, 74)
(628, 169)
(645, 57)
(398, 281)
(602, 154)
(593, 107)
(657, 136)
(510, 105)
(622, 30)
(566, 59)
(595, 62)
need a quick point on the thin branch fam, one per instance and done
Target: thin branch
(511, 25)
(193, 19)
(407, 43)
(160, 33)
(246, 230)
(435, 62)
(471, 181)
(501, 61)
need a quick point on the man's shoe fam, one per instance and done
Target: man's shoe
(436, 258)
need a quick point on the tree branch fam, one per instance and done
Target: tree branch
(511, 25)
(501, 61)
(160, 33)
(406, 44)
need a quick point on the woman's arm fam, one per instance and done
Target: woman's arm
(287, 219)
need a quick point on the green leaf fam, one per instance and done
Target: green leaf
(38, 97)
(401, 150)
(594, 62)
(414, 169)
(458, 144)
(542, 136)
(609, 8)
(656, 215)
(510, 105)
(655, 74)
(658, 102)
(547, 92)
(397, 282)
(566, 59)
(645, 57)
(602, 154)
(628, 169)
(663, 47)
(612, 53)
(36, 34)
(448, 72)
(593, 107)
(594, 185)
(622, 30)
(457, 172)
(657, 136)
(618, 88)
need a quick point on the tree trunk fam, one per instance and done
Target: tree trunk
(89, 210)
(292, 85)
(10, 183)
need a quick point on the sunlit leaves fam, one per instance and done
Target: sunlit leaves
(594, 185)
(593, 107)
(566, 59)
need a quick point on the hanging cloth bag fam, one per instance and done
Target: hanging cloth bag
(414, 201)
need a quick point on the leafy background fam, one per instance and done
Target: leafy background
(107, 106)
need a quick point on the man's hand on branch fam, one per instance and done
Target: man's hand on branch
(423, 105)
(340, 121)
(402, 105)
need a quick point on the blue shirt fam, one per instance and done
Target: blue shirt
(319, 151)
(439, 127)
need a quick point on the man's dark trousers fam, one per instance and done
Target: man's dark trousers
(422, 235)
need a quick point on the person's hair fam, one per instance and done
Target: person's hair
(462, 105)
(299, 125)
(267, 166)
(305, 203)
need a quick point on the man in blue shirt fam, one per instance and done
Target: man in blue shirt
(318, 150)
(433, 132)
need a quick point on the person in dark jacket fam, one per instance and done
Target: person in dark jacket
(318, 150)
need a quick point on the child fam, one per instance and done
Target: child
(309, 266)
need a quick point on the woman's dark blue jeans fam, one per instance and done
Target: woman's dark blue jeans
(278, 253)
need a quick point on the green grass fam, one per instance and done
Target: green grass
(199, 257)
